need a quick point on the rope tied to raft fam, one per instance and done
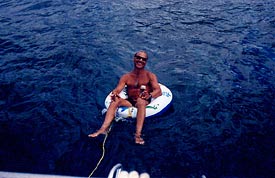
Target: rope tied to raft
(103, 151)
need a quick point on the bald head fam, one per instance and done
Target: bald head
(142, 54)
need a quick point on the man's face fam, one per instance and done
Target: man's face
(140, 59)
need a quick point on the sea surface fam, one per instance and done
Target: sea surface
(60, 58)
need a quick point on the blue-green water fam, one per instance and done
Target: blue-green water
(59, 59)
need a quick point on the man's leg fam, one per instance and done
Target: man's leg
(141, 112)
(110, 115)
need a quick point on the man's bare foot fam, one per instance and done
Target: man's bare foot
(100, 131)
(139, 140)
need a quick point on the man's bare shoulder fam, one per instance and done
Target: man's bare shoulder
(126, 77)
(150, 74)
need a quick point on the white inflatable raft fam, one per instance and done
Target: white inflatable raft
(156, 107)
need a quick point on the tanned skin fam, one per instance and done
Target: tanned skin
(134, 79)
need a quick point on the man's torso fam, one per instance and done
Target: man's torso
(134, 83)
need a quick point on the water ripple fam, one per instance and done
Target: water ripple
(59, 59)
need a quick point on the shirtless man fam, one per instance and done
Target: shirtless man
(134, 80)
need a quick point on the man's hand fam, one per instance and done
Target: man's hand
(145, 95)
(114, 95)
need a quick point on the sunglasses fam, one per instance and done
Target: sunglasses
(140, 58)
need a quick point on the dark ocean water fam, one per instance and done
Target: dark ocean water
(59, 59)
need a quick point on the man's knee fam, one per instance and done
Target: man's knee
(141, 103)
(115, 103)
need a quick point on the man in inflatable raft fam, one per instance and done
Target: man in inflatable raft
(142, 85)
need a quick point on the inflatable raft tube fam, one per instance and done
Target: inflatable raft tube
(156, 107)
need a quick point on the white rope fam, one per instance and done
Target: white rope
(103, 152)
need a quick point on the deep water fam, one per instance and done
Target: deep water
(60, 58)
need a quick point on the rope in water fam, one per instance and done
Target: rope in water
(103, 152)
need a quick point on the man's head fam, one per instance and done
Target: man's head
(140, 59)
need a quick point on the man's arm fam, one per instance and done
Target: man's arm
(121, 84)
(155, 86)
